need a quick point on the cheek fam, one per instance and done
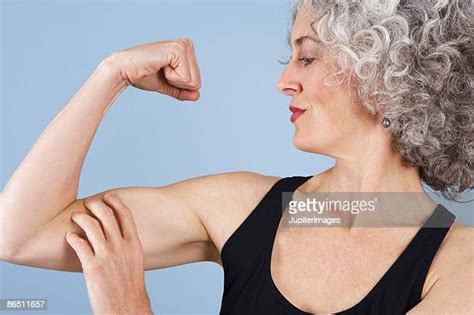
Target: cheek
(330, 110)
(329, 121)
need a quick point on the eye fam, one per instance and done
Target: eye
(306, 61)
(303, 60)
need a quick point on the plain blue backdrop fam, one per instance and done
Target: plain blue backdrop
(241, 122)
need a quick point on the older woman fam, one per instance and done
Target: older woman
(383, 87)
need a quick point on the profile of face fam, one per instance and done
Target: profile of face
(333, 122)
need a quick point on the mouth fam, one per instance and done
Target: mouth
(297, 112)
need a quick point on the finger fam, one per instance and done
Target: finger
(173, 91)
(195, 74)
(188, 95)
(124, 215)
(177, 72)
(93, 230)
(106, 216)
(81, 247)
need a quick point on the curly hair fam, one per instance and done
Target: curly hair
(412, 61)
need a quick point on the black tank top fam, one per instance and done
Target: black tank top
(248, 285)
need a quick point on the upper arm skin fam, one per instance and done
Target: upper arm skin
(452, 291)
(451, 294)
(171, 221)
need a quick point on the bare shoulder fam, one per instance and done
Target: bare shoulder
(456, 248)
(230, 198)
(450, 281)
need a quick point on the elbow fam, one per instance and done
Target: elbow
(7, 252)
(12, 252)
(6, 247)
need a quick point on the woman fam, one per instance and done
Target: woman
(403, 116)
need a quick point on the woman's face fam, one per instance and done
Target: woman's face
(333, 123)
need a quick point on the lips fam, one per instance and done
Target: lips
(297, 112)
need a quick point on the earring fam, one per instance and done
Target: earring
(385, 122)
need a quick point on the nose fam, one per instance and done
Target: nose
(289, 84)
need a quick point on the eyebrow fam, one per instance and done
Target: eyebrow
(299, 41)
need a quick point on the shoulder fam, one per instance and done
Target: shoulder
(228, 184)
(247, 179)
(224, 185)
(246, 186)
(456, 248)
(238, 192)
(450, 282)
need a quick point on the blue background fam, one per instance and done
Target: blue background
(241, 122)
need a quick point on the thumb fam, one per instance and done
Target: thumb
(178, 93)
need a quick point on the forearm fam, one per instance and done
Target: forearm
(47, 179)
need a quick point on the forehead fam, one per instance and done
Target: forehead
(302, 26)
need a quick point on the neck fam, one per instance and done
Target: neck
(372, 166)
(377, 170)
(371, 175)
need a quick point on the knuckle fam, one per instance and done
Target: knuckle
(87, 202)
(94, 222)
(108, 195)
(180, 45)
(188, 42)
(197, 85)
(112, 198)
(90, 202)
(77, 216)
(83, 242)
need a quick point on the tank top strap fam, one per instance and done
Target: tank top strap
(247, 243)
(426, 244)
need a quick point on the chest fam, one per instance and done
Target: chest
(323, 269)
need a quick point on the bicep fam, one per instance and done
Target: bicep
(167, 223)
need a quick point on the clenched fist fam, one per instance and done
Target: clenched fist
(168, 67)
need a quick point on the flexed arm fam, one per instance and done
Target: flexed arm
(46, 181)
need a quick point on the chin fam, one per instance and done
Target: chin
(304, 144)
(308, 144)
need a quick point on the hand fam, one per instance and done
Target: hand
(111, 256)
(168, 67)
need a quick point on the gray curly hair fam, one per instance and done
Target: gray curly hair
(412, 61)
